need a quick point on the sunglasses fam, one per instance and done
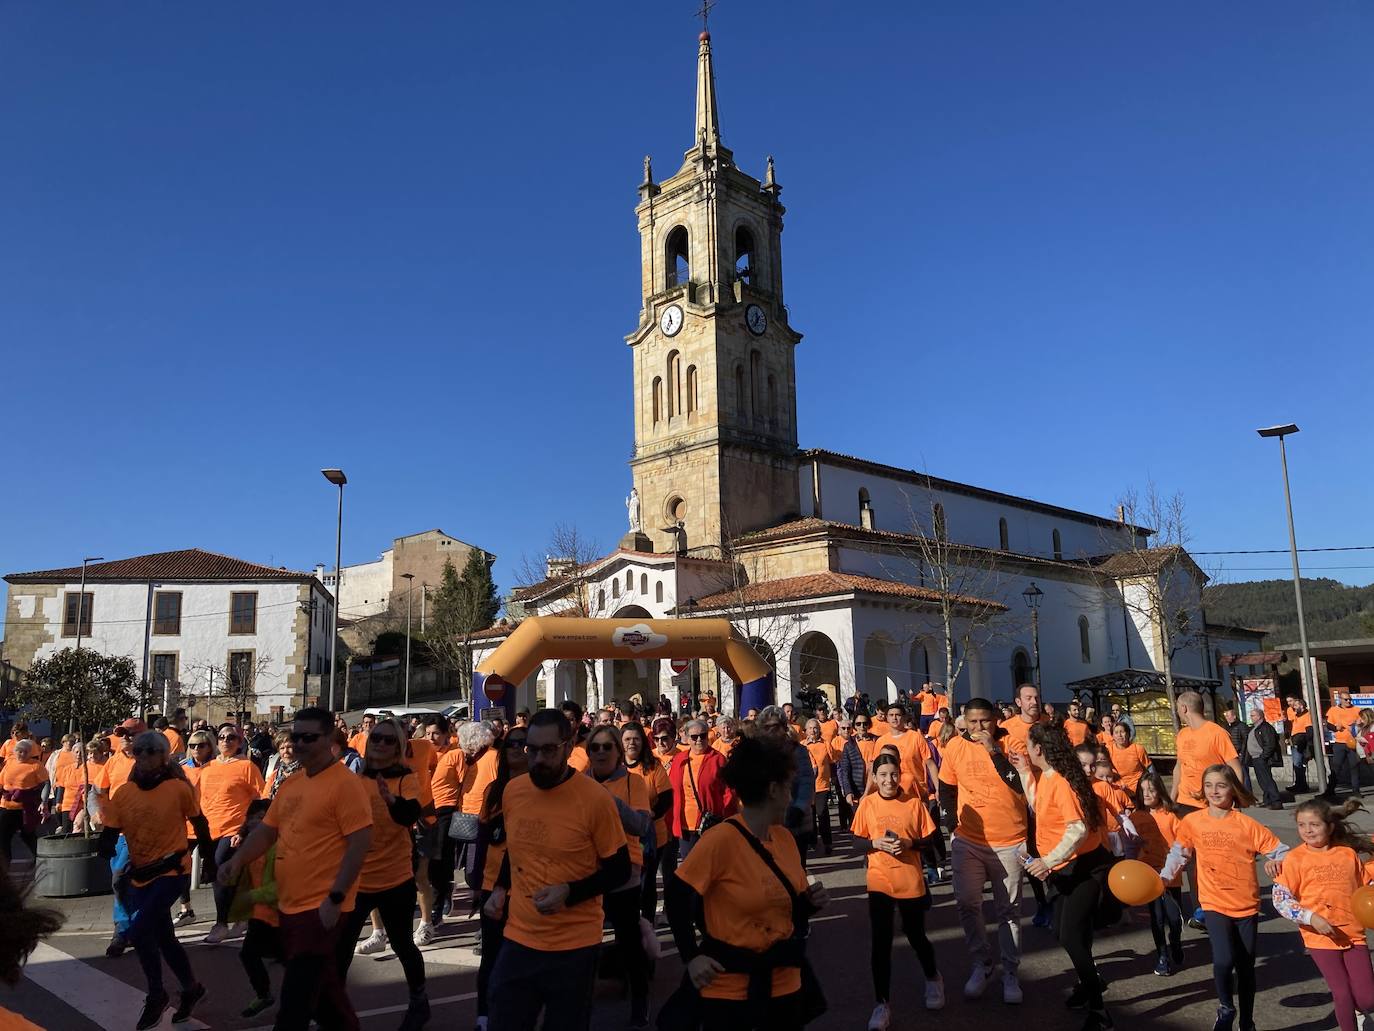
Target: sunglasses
(601, 746)
(202, 744)
(228, 737)
(382, 739)
(304, 737)
(696, 737)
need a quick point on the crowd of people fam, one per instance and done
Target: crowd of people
(325, 841)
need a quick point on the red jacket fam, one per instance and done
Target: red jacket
(715, 797)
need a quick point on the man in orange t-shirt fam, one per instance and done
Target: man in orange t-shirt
(930, 706)
(565, 848)
(1075, 726)
(1345, 754)
(984, 800)
(321, 823)
(358, 742)
(919, 772)
(1300, 743)
(1200, 743)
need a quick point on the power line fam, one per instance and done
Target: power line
(1281, 551)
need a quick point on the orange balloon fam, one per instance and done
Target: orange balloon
(1136, 883)
(1362, 905)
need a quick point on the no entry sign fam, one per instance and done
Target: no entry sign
(495, 689)
(679, 666)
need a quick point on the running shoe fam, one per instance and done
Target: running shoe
(372, 944)
(417, 1013)
(1098, 1020)
(238, 930)
(881, 1019)
(935, 993)
(1044, 916)
(1163, 966)
(186, 916)
(1078, 998)
(118, 943)
(217, 934)
(153, 1008)
(188, 1001)
(424, 934)
(262, 1002)
(1011, 990)
(977, 981)
(1226, 1018)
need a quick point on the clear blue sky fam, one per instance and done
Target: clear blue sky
(1050, 248)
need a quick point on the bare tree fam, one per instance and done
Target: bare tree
(235, 683)
(567, 569)
(464, 604)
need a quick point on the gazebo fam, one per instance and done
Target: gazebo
(1140, 692)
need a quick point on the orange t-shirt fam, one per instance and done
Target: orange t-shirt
(556, 836)
(1336, 716)
(823, 764)
(477, 777)
(226, 788)
(634, 792)
(113, 773)
(578, 759)
(656, 780)
(446, 784)
(387, 862)
(1157, 829)
(1225, 848)
(1111, 806)
(745, 904)
(915, 753)
(941, 702)
(990, 811)
(358, 742)
(829, 728)
(313, 817)
(193, 778)
(1301, 723)
(153, 821)
(880, 728)
(1129, 762)
(7, 749)
(723, 747)
(1104, 739)
(14, 1022)
(422, 758)
(1017, 730)
(175, 742)
(1198, 749)
(933, 731)
(1323, 882)
(19, 776)
(899, 877)
(1056, 806)
(929, 706)
(691, 811)
(1076, 730)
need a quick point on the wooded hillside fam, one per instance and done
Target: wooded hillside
(1334, 610)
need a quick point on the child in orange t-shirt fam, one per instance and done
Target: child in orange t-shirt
(891, 826)
(1313, 890)
(1155, 819)
(823, 762)
(1226, 842)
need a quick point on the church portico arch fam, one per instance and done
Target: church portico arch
(815, 667)
(880, 673)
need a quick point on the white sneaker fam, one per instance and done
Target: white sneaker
(372, 944)
(1011, 989)
(424, 935)
(935, 993)
(977, 981)
(217, 934)
(882, 1017)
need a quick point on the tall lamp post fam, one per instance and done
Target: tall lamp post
(1309, 685)
(409, 578)
(1033, 594)
(336, 477)
(80, 619)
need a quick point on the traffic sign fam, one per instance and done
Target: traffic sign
(495, 689)
(679, 666)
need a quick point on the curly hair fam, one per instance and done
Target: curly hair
(1062, 759)
(475, 736)
(756, 764)
(1341, 832)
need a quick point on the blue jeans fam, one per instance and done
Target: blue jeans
(152, 934)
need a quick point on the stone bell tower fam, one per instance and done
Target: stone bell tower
(714, 367)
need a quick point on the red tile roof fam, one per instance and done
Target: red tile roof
(816, 585)
(188, 564)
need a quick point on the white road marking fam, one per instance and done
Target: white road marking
(105, 1000)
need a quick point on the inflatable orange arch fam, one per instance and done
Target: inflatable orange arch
(558, 637)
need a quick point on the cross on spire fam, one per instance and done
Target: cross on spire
(705, 14)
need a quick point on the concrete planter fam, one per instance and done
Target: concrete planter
(67, 866)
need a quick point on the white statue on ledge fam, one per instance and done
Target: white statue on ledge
(632, 508)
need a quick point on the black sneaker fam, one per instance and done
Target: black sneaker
(1163, 967)
(416, 1015)
(189, 998)
(1078, 998)
(1226, 1018)
(117, 947)
(262, 1002)
(153, 1008)
(1098, 1020)
(1197, 925)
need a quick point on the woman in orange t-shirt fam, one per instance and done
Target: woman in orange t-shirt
(1129, 759)
(1069, 832)
(227, 784)
(491, 846)
(386, 881)
(1225, 843)
(21, 796)
(823, 762)
(1313, 890)
(641, 761)
(1155, 819)
(891, 828)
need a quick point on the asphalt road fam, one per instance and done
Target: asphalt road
(71, 986)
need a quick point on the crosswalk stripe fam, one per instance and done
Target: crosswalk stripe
(104, 1000)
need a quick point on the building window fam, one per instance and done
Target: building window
(1083, 644)
(772, 399)
(658, 592)
(691, 390)
(744, 255)
(243, 612)
(69, 614)
(1058, 546)
(1003, 538)
(679, 265)
(1020, 669)
(629, 580)
(865, 509)
(938, 518)
(740, 410)
(600, 600)
(755, 383)
(167, 613)
(643, 585)
(674, 383)
(164, 671)
(658, 399)
(615, 588)
(240, 668)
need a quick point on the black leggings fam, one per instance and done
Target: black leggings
(648, 892)
(820, 817)
(441, 869)
(397, 909)
(1078, 890)
(224, 893)
(880, 922)
(1233, 941)
(493, 934)
(622, 910)
(259, 943)
(12, 823)
(778, 1014)
(1166, 913)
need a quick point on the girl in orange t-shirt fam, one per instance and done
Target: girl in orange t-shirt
(890, 827)
(1313, 890)
(1225, 842)
(1155, 819)
(823, 762)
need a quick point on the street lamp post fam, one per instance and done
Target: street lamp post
(409, 578)
(1309, 683)
(336, 477)
(1033, 594)
(80, 619)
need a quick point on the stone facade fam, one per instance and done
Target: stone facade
(27, 626)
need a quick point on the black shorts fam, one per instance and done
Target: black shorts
(429, 841)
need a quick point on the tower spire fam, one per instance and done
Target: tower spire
(708, 117)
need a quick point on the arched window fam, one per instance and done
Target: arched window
(658, 399)
(938, 518)
(1002, 537)
(615, 588)
(1083, 644)
(658, 592)
(643, 585)
(678, 264)
(1058, 546)
(772, 399)
(1020, 669)
(744, 255)
(629, 579)
(865, 509)
(674, 383)
(600, 600)
(740, 409)
(691, 390)
(755, 383)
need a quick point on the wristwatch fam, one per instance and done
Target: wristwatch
(336, 897)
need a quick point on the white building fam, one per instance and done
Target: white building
(189, 619)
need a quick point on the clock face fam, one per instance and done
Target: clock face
(755, 319)
(671, 320)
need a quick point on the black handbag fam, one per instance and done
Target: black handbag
(707, 819)
(463, 827)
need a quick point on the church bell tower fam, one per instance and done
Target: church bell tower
(714, 369)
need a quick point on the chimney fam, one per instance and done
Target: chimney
(1121, 514)
(556, 567)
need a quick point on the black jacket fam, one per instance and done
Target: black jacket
(1269, 744)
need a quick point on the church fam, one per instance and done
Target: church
(848, 576)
